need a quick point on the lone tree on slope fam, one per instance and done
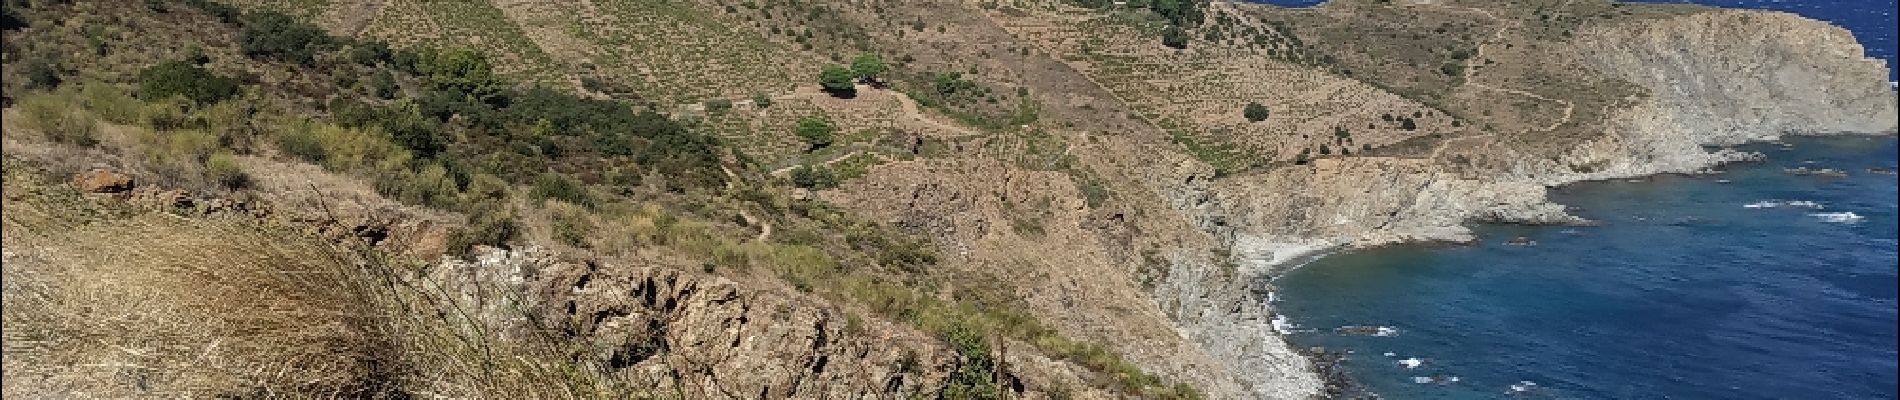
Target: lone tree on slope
(837, 80)
(1255, 112)
(868, 66)
(816, 130)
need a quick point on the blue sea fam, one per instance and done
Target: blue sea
(1750, 284)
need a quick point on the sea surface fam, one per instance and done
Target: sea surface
(1751, 284)
(1754, 283)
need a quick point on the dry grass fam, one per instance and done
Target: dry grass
(103, 300)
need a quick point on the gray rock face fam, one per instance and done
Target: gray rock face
(1732, 76)
(712, 338)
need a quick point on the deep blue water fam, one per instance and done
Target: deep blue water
(1683, 291)
(1872, 21)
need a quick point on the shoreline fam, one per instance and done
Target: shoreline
(1328, 364)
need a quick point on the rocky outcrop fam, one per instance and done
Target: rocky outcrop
(1721, 78)
(714, 338)
(1731, 76)
(1712, 78)
(1216, 308)
(103, 181)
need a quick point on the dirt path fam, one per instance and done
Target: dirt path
(780, 171)
(910, 110)
(1471, 68)
(352, 23)
(765, 227)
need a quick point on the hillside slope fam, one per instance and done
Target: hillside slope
(1045, 197)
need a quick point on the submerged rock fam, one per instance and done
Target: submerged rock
(1805, 171)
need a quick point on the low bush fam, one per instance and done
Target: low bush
(181, 78)
(222, 168)
(57, 117)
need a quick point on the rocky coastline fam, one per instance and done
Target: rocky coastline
(1715, 80)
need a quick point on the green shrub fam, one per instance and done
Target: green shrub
(382, 84)
(431, 185)
(1255, 112)
(181, 78)
(975, 376)
(571, 226)
(817, 131)
(868, 66)
(1174, 37)
(837, 79)
(270, 34)
(166, 115)
(716, 106)
(301, 144)
(560, 187)
(40, 75)
(223, 169)
(111, 103)
(761, 100)
(490, 223)
(57, 118)
(459, 69)
(814, 177)
(368, 53)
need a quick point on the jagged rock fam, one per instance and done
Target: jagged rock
(103, 181)
(715, 338)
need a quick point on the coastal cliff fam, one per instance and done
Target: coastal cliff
(1713, 78)
(1707, 79)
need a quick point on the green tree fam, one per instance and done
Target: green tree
(181, 78)
(459, 69)
(868, 66)
(837, 79)
(760, 100)
(1255, 111)
(40, 75)
(816, 130)
(275, 35)
(383, 84)
(814, 178)
(1174, 37)
(716, 106)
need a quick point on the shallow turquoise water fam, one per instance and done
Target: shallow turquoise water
(1683, 291)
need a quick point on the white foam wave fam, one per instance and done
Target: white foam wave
(1524, 386)
(1790, 204)
(1282, 326)
(1838, 217)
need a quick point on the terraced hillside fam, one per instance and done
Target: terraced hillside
(1198, 93)
(657, 51)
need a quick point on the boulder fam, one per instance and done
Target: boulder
(103, 181)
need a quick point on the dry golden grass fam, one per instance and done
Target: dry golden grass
(106, 300)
